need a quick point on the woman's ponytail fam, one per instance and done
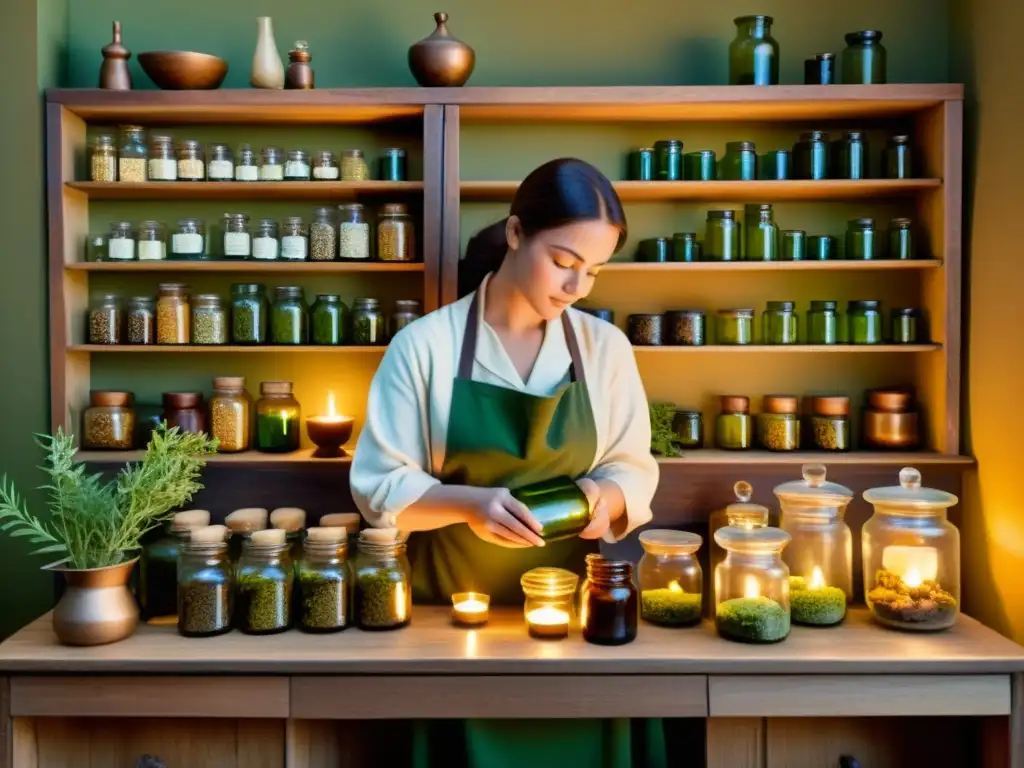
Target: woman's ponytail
(484, 254)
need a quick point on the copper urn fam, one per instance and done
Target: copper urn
(441, 60)
(97, 607)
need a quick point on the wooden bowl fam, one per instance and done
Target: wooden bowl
(184, 70)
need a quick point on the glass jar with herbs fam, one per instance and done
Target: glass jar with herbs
(105, 319)
(906, 325)
(263, 586)
(897, 158)
(278, 418)
(685, 247)
(609, 602)
(205, 580)
(670, 578)
(322, 580)
(734, 326)
(221, 165)
(406, 312)
(902, 243)
(382, 585)
(152, 245)
(733, 427)
(353, 166)
(668, 160)
(296, 166)
(862, 240)
(823, 323)
(249, 313)
(294, 239)
(141, 320)
(173, 314)
(395, 233)
(353, 233)
(830, 423)
(865, 322)
(722, 236)
(121, 241)
(368, 323)
(739, 162)
(762, 234)
(209, 320)
(191, 161)
(325, 166)
(230, 414)
(158, 566)
(329, 320)
(754, 54)
(323, 236)
(131, 158)
(780, 324)
(163, 163)
(272, 164)
(810, 156)
(246, 167)
(647, 330)
(265, 243)
(188, 241)
(103, 159)
(685, 327)
(687, 429)
(778, 424)
(851, 156)
(109, 421)
(237, 238)
(864, 60)
(752, 585)
(288, 316)
(186, 411)
(393, 164)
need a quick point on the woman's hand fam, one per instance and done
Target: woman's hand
(600, 520)
(498, 517)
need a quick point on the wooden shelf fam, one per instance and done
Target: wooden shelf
(238, 265)
(246, 458)
(785, 349)
(242, 190)
(221, 349)
(664, 191)
(837, 265)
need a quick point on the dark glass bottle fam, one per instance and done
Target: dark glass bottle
(794, 245)
(739, 162)
(865, 322)
(850, 156)
(654, 249)
(864, 58)
(762, 234)
(897, 158)
(641, 164)
(754, 54)
(609, 602)
(810, 156)
(775, 166)
(821, 70)
(186, 411)
(288, 319)
(668, 160)
(700, 166)
(685, 247)
(822, 248)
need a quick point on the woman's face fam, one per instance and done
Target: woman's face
(557, 267)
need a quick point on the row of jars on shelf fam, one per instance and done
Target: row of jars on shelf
(163, 159)
(780, 325)
(328, 237)
(813, 157)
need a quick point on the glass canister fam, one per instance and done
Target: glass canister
(851, 156)
(205, 581)
(294, 240)
(687, 429)
(700, 166)
(121, 241)
(325, 166)
(323, 583)
(271, 164)
(654, 250)
(288, 319)
(368, 323)
(329, 320)
(830, 423)
(249, 313)
(246, 167)
(353, 166)
(609, 602)
(323, 236)
(96, 248)
(906, 325)
(752, 585)
(407, 311)
(754, 54)
(393, 165)
(670, 578)
(685, 327)
(685, 247)
(141, 320)
(822, 248)
(296, 166)
(395, 234)
(864, 58)
(103, 159)
(152, 245)
(865, 322)
(739, 162)
(230, 414)
(821, 70)
(645, 330)
(722, 237)
(640, 164)
(741, 513)
(668, 160)
(263, 588)
(774, 166)
(188, 240)
(778, 424)
(780, 323)
(209, 320)
(105, 319)
(810, 156)
(550, 604)
(162, 164)
(794, 245)
(733, 428)
(265, 244)
(911, 556)
(131, 158)
(353, 233)
(237, 239)
(191, 161)
(186, 411)
(820, 554)
(382, 587)
(734, 326)
(158, 566)
(278, 418)
(891, 420)
(902, 244)
(897, 158)
(861, 240)
(109, 421)
(221, 165)
(173, 314)
(762, 234)
(823, 323)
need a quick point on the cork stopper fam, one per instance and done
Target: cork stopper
(247, 520)
(190, 518)
(379, 535)
(331, 535)
(347, 520)
(268, 537)
(289, 519)
(209, 534)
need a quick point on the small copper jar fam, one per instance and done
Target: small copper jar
(891, 419)
(185, 410)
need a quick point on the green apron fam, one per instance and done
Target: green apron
(502, 438)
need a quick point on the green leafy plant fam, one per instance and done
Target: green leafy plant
(662, 434)
(96, 523)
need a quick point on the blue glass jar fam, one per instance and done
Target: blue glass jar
(739, 163)
(850, 156)
(641, 164)
(822, 248)
(864, 58)
(668, 160)
(902, 243)
(685, 247)
(810, 156)
(821, 70)
(775, 166)
(897, 159)
(700, 166)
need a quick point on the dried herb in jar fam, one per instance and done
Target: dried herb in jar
(204, 607)
(263, 600)
(380, 602)
(324, 601)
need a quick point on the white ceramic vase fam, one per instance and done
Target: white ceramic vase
(267, 68)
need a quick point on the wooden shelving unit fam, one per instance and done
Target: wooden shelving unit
(244, 190)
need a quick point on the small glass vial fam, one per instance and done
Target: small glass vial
(407, 311)
(353, 166)
(734, 326)
(265, 245)
(722, 237)
(230, 414)
(322, 581)
(249, 313)
(794, 245)
(105, 319)
(152, 244)
(823, 323)
(395, 233)
(96, 248)
(865, 322)
(237, 240)
(830, 423)
(353, 233)
(685, 327)
(263, 588)
(752, 585)
(288, 318)
(668, 160)
(109, 421)
(640, 164)
(778, 424)
(810, 156)
(897, 158)
(329, 320)
(780, 323)
(670, 578)
(325, 166)
(382, 587)
(393, 165)
(162, 164)
(272, 165)
(173, 315)
(103, 159)
(906, 322)
(294, 240)
(700, 166)
(131, 160)
(278, 418)
(739, 162)
(191, 161)
(209, 320)
(862, 241)
(141, 320)
(687, 430)
(864, 58)
(902, 243)
(323, 236)
(189, 240)
(733, 428)
(645, 330)
(550, 604)
(850, 156)
(685, 247)
(205, 589)
(121, 242)
(754, 53)
(221, 165)
(246, 168)
(609, 602)
(296, 167)
(762, 234)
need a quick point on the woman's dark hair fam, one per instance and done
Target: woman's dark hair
(560, 192)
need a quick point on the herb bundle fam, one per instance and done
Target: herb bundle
(662, 434)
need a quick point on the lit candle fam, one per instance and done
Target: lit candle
(548, 621)
(813, 602)
(470, 608)
(329, 431)
(817, 579)
(914, 565)
(751, 589)
(400, 601)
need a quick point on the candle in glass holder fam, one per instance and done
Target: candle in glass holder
(548, 622)
(914, 565)
(330, 431)
(815, 603)
(470, 609)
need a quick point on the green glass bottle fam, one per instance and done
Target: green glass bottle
(700, 166)
(810, 156)
(739, 162)
(865, 322)
(780, 323)
(722, 237)
(850, 156)
(329, 320)
(897, 158)
(861, 240)
(668, 160)
(734, 327)
(902, 244)
(905, 325)
(762, 234)
(288, 317)
(823, 323)
(821, 70)
(822, 248)
(654, 249)
(641, 164)
(733, 426)
(685, 247)
(794, 245)
(754, 54)
(775, 166)
(864, 58)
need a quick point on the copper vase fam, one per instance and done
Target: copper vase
(440, 60)
(97, 607)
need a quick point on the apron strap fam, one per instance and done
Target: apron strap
(576, 372)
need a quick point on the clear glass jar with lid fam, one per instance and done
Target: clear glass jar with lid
(323, 235)
(329, 320)
(205, 580)
(173, 315)
(152, 245)
(188, 241)
(722, 236)
(325, 166)
(322, 581)
(249, 313)
(263, 588)
(762, 234)
(158, 566)
(897, 160)
(103, 159)
(780, 323)
(162, 164)
(209, 320)
(752, 585)
(382, 586)
(670, 578)
(733, 428)
(230, 414)
(395, 233)
(820, 555)
(823, 323)
(272, 164)
(294, 239)
(609, 611)
(141, 320)
(550, 601)
(368, 327)
(742, 513)
(221, 165)
(911, 556)
(131, 159)
(191, 161)
(353, 165)
(121, 241)
(237, 240)
(109, 421)
(289, 321)
(353, 233)
(246, 167)
(105, 319)
(778, 424)
(406, 312)
(265, 245)
(296, 166)
(829, 427)
(734, 326)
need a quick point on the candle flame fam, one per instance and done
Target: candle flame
(751, 588)
(284, 422)
(817, 578)
(400, 601)
(330, 405)
(674, 586)
(912, 578)
(548, 615)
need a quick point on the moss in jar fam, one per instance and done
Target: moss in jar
(817, 607)
(204, 608)
(381, 599)
(263, 601)
(104, 326)
(670, 607)
(927, 606)
(324, 601)
(752, 620)
(367, 330)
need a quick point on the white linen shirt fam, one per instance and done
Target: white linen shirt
(401, 448)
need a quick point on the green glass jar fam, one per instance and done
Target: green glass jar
(263, 589)
(684, 328)
(329, 320)
(775, 166)
(733, 430)
(668, 160)
(654, 249)
(249, 313)
(778, 424)
(700, 166)
(902, 243)
(722, 238)
(762, 234)
(864, 58)
(641, 164)
(368, 326)
(278, 418)
(830, 423)
(862, 240)
(810, 156)
(688, 430)
(754, 54)
(850, 156)
(734, 326)
(780, 323)
(685, 247)
(393, 165)
(865, 322)
(288, 317)
(823, 323)
(897, 158)
(906, 325)
(822, 248)
(794, 245)
(739, 162)
(821, 70)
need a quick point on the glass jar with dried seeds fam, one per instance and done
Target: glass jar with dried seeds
(109, 421)
(325, 167)
(162, 164)
(249, 312)
(265, 245)
(323, 236)
(353, 166)
(230, 414)
(382, 588)
(830, 423)
(322, 580)
(105, 317)
(103, 159)
(191, 161)
(152, 244)
(395, 234)
(778, 424)
(204, 589)
(141, 320)
(237, 239)
(272, 167)
(131, 160)
(353, 233)
(173, 314)
(221, 165)
(209, 320)
(685, 327)
(246, 167)
(296, 167)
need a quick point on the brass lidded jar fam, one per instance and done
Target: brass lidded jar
(778, 424)
(733, 428)
(891, 420)
(829, 428)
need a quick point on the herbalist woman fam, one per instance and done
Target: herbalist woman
(508, 387)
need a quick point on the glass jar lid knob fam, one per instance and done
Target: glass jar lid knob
(744, 491)
(910, 478)
(814, 475)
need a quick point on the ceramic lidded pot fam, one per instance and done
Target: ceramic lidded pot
(441, 60)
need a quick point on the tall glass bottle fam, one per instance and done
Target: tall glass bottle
(754, 54)
(762, 234)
